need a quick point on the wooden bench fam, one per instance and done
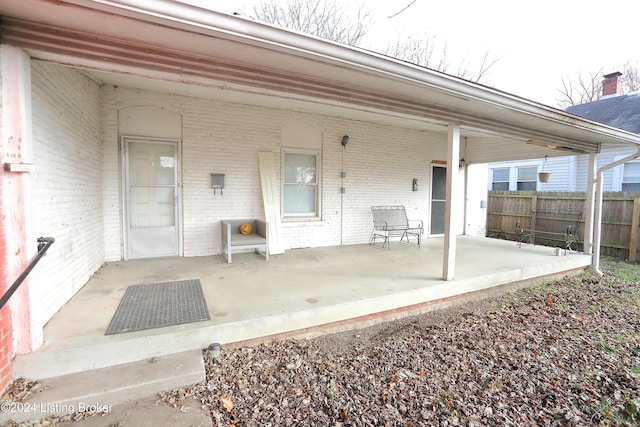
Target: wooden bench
(233, 241)
(560, 234)
(390, 221)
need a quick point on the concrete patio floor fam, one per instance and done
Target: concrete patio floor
(306, 291)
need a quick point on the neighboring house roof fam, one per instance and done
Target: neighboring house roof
(622, 112)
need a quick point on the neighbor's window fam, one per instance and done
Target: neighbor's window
(300, 192)
(527, 179)
(631, 177)
(500, 179)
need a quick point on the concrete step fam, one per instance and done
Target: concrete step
(101, 389)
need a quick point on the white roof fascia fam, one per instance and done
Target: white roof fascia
(261, 33)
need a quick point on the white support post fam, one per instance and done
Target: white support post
(453, 155)
(589, 207)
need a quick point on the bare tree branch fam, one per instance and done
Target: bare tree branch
(328, 19)
(423, 50)
(402, 10)
(630, 77)
(485, 66)
(583, 89)
(580, 89)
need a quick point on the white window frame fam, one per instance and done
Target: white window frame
(508, 169)
(513, 174)
(314, 216)
(622, 182)
(535, 180)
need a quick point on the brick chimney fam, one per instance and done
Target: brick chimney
(612, 84)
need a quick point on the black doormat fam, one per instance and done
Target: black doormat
(158, 305)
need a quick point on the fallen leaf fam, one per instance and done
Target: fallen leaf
(227, 403)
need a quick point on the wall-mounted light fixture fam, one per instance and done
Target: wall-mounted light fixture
(462, 163)
(345, 141)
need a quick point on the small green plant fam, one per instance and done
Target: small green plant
(631, 410)
(542, 287)
(331, 389)
(602, 408)
(622, 339)
(608, 347)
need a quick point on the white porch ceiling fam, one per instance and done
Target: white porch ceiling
(170, 47)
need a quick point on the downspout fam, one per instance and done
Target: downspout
(595, 260)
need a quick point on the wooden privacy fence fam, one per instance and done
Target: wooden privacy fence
(557, 210)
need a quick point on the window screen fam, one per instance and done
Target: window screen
(500, 179)
(527, 179)
(300, 184)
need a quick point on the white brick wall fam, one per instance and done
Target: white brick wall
(77, 185)
(380, 163)
(66, 186)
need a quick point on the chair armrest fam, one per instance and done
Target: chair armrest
(420, 224)
(262, 228)
(226, 232)
(380, 225)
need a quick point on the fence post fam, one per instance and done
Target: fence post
(534, 210)
(633, 241)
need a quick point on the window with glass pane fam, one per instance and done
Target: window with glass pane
(500, 179)
(300, 184)
(527, 179)
(631, 177)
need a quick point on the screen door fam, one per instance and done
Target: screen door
(438, 199)
(151, 212)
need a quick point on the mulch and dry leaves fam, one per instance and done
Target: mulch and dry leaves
(564, 353)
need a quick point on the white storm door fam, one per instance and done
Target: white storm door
(151, 213)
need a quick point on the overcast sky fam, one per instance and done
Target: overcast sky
(538, 42)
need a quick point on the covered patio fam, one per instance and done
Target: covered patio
(100, 93)
(301, 293)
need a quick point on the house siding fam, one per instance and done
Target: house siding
(66, 185)
(568, 173)
(561, 178)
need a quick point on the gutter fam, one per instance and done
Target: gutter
(595, 260)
